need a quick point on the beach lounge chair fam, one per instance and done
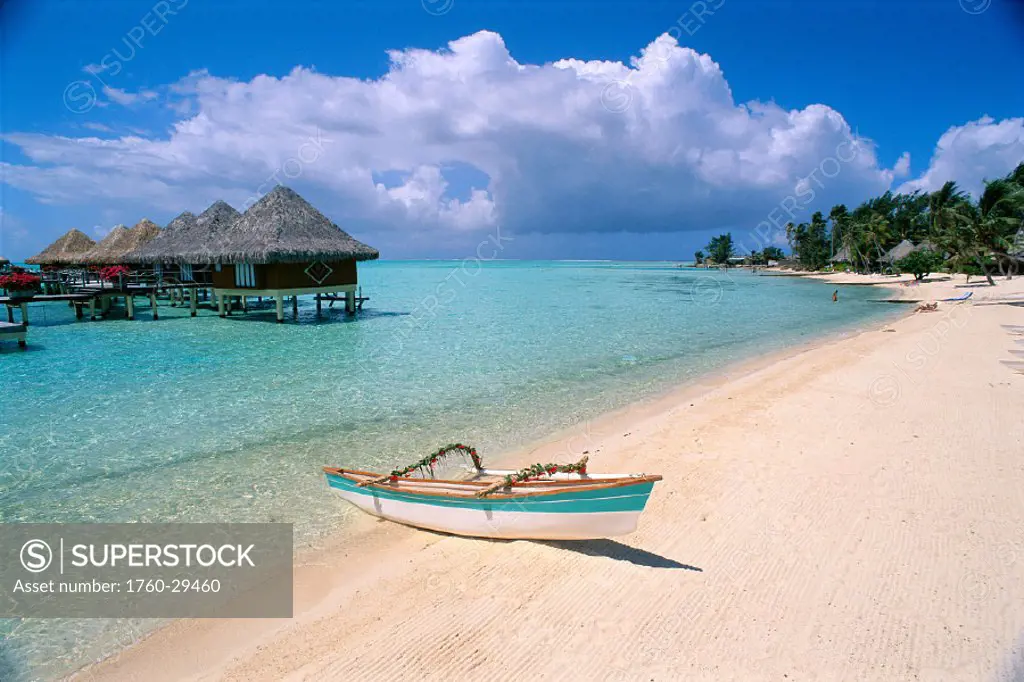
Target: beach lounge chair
(959, 298)
(10, 331)
(1016, 365)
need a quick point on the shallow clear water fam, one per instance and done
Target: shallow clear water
(230, 420)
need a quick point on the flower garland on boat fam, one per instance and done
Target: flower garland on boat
(538, 470)
(426, 465)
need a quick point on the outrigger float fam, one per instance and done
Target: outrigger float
(541, 502)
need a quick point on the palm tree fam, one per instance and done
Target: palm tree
(996, 221)
(876, 233)
(945, 208)
(837, 216)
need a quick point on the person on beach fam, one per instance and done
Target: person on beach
(835, 295)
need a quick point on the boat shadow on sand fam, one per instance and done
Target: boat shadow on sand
(610, 549)
(618, 551)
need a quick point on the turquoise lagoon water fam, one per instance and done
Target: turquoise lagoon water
(206, 419)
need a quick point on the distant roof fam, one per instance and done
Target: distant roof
(161, 247)
(901, 250)
(842, 256)
(4, 261)
(282, 227)
(120, 242)
(211, 227)
(67, 250)
(188, 239)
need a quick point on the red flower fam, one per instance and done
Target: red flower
(19, 281)
(394, 479)
(113, 272)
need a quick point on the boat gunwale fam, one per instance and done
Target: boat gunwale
(563, 486)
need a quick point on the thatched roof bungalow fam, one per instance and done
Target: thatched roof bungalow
(212, 226)
(901, 250)
(67, 250)
(842, 256)
(282, 246)
(121, 241)
(160, 248)
(183, 247)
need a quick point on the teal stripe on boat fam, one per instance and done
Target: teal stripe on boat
(634, 489)
(623, 498)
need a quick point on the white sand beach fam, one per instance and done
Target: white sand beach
(851, 510)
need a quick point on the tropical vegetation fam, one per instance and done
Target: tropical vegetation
(721, 248)
(920, 263)
(951, 230)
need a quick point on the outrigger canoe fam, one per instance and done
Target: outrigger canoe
(561, 505)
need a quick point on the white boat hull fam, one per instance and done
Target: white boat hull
(499, 524)
(556, 508)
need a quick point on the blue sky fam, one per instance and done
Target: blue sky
(602, 160)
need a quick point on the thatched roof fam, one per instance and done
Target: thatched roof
(282, 227)
(171, 240)
(211, 229)
(901, 250)
(67, 250)
(843, 256)
(120, 242)
(4, 261)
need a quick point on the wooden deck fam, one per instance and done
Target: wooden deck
(14, 332)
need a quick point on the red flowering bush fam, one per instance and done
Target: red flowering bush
(113, 272)
(19, 280)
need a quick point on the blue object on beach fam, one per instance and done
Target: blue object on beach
(959, 298)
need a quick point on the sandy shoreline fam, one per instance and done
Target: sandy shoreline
(851, 510)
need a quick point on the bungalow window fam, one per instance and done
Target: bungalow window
(245, 276)
(158, 270)
(186, 273)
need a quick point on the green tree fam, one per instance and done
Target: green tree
(698, 257)
(920, 263)
(772, 253)
(721, 249)
(996, 220)
(838, 216)
(953, 221)
(810, 242)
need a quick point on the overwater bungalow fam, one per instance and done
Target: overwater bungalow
(154, 252)
(113, 249)
(181, 249)
(67, 250)
(283, 247)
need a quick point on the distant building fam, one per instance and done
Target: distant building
(901, 250)
(843, 256)
(67, 250)
(282, 246)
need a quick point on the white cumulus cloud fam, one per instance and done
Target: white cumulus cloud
(970, 154)
(467, 138)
